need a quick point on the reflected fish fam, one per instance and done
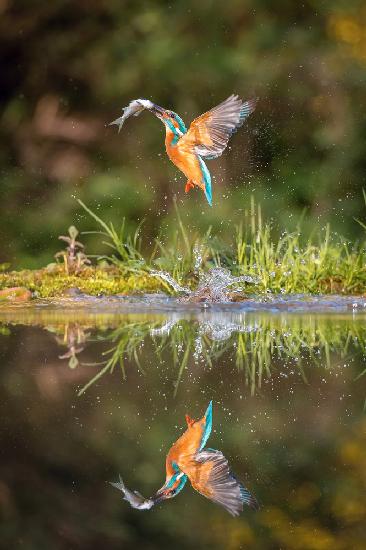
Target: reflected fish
(134, 108)
(136, 500)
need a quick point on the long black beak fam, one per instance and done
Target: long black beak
(159, 496)
(157, 110)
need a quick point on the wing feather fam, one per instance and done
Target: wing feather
(210, 475)
(209, 133)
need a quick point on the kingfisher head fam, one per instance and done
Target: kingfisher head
(171, 120)
(171, 487)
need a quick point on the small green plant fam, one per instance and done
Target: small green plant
(73, 257)
(126, 253)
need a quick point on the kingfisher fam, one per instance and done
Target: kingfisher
(207, 470)
(206, 138)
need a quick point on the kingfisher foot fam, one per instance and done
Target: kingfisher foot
(189, 186)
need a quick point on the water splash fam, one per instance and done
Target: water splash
(214, 286)
(218, 327)
(164, 330)
(172, 282)
(198, 251)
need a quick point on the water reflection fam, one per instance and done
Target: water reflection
(207, 470)
(255, 344)
(288, 393)
(74, 338)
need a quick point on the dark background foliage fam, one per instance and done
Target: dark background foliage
(67, 69)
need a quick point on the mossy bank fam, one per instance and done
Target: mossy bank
(288, 264)
(45, 283)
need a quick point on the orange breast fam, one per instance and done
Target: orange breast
(184, 159)
(186, 446)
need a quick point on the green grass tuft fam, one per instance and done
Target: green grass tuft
(284, 265)
(287, 264)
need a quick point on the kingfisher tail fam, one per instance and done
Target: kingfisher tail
(206, 180)
(207, 426)
(208, 193)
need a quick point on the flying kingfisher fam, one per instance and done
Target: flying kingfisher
(207, 470)
(206, 138)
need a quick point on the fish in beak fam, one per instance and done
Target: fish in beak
(161, 495)
(157, 110)
(135, 108)
(135, 499)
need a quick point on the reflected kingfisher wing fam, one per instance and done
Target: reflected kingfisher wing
(210, 475)
(209, 134)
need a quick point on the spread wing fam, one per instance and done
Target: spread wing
(209, 134)
(210, 475)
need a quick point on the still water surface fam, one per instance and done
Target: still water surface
(89, 393)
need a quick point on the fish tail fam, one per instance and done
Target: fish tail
(118, 484)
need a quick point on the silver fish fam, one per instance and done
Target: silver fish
(134, 108)
(133, 497)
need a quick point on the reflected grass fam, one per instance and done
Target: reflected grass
(127, 341)
(258, 345)
(257, 349)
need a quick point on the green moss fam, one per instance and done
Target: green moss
(47, 283)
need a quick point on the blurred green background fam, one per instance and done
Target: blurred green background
(68, 68)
